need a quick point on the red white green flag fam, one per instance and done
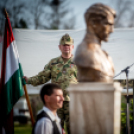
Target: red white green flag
(11, 76)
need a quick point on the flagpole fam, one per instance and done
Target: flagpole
(25, 90)
(29, 106)
(6, 14)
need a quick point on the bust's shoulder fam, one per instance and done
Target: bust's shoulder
(105, 53)
(88, 55)
(90, 47)
(88, 50)
(108, 56)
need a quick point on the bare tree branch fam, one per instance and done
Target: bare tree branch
(124, 12)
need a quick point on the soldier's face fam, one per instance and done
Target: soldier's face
(66, 49)
(104, 28)
(55, 101)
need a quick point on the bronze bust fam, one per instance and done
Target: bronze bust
(94, 64)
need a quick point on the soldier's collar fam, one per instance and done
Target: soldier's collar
(60, 60)
(72, 60)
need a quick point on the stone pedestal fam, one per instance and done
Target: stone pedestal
(95, 108)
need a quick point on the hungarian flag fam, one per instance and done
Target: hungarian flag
(11, 79)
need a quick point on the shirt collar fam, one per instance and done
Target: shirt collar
(51, 115)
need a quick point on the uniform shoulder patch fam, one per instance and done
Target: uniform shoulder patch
(54, 63)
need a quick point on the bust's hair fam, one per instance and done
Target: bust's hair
(99, 11)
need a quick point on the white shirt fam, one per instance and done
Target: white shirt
(44, 125)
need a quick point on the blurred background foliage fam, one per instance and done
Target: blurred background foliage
(37, 14)
(56, 14)
(123, 115)
(124, 106)
(123, 83)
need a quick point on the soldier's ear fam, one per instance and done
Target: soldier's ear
(59, 47)
(73, 46)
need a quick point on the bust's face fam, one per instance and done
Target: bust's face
(104, 28)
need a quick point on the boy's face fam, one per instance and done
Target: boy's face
(55, 101)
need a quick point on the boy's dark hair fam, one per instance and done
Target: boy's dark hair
(48, 89)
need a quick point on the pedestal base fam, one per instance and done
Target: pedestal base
(95, 108)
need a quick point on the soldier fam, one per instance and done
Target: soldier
(62, 71)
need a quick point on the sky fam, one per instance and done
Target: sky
(80, 6)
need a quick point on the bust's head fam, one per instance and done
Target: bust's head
(100, 20)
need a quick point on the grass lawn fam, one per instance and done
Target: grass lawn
(22, 128)
(25, 128)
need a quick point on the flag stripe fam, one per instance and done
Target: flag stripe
(12, 61)
(11, 96)
(9, 34)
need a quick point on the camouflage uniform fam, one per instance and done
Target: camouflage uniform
(59, 72)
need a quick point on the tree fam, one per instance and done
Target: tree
(125, 13)
(38, 14)
(59, 18)
(37, 11)
(16, 11)
(46, 14)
